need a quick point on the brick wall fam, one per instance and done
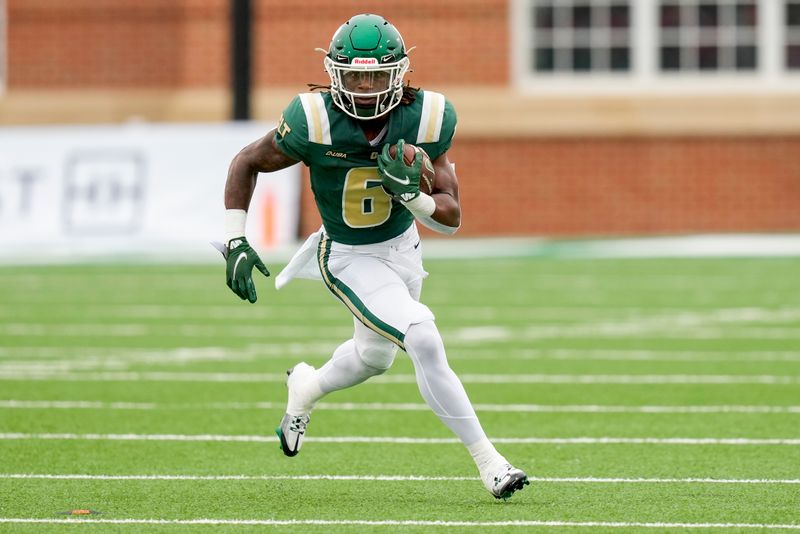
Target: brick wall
(117, 44)
(184, 43)
(608, 186)
(510, 186)
(459, 41)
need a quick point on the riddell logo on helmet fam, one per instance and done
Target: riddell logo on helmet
(364, 61)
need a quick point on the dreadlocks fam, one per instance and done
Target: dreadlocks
(409, 93)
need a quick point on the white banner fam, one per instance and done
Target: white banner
(132, 191)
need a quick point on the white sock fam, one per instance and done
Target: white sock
(485, 455)
(305, 394)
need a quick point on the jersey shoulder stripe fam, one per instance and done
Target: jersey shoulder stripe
(430, 123)
(319, 126)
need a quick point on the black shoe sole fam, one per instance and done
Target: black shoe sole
(517, 482)
(284, 446)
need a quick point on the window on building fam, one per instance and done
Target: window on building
(581, 36)
(707, 36)
(793, 34)
(656, 45)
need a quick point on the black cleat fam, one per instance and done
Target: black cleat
(503, 483)
(290, 433)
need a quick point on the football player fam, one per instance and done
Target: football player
(368, 251)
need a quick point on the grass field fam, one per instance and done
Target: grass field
(660, 394)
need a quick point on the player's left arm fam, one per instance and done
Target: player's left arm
(440, 210)
(446, 217)
(445, 194)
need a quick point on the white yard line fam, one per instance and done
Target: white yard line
(402, 407)
(399, 523)
(116, 361)
(141, 376)
(273, 350)
(322, 349)
(638, 330)
(615, 379)
(468, 378)
(81, 405)
(726, 323)
(396, 478)
(400, 440)
(269, 331)
(277, 350)
(469, 353)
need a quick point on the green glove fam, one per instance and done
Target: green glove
(241, 258)
(400, 180)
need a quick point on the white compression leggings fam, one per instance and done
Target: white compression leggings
(438, 384)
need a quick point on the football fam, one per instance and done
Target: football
(427, 179)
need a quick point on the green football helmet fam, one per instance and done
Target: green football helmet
(366, 62)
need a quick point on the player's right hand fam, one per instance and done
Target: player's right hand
(241, 258)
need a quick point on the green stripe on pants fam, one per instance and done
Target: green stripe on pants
(351, 300)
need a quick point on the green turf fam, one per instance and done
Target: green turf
(175, 342)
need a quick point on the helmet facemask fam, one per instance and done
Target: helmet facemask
(364, 88)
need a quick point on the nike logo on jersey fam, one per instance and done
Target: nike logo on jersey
(406, 181)
(242, 256)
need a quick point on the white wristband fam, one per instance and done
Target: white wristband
(422, 206)
(235, 221)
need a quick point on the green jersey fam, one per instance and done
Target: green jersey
(355, 209)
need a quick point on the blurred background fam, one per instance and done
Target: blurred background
(577, 118)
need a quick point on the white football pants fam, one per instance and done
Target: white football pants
(381, 286)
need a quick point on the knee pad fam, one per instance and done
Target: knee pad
(376, 351)
(424, 340)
